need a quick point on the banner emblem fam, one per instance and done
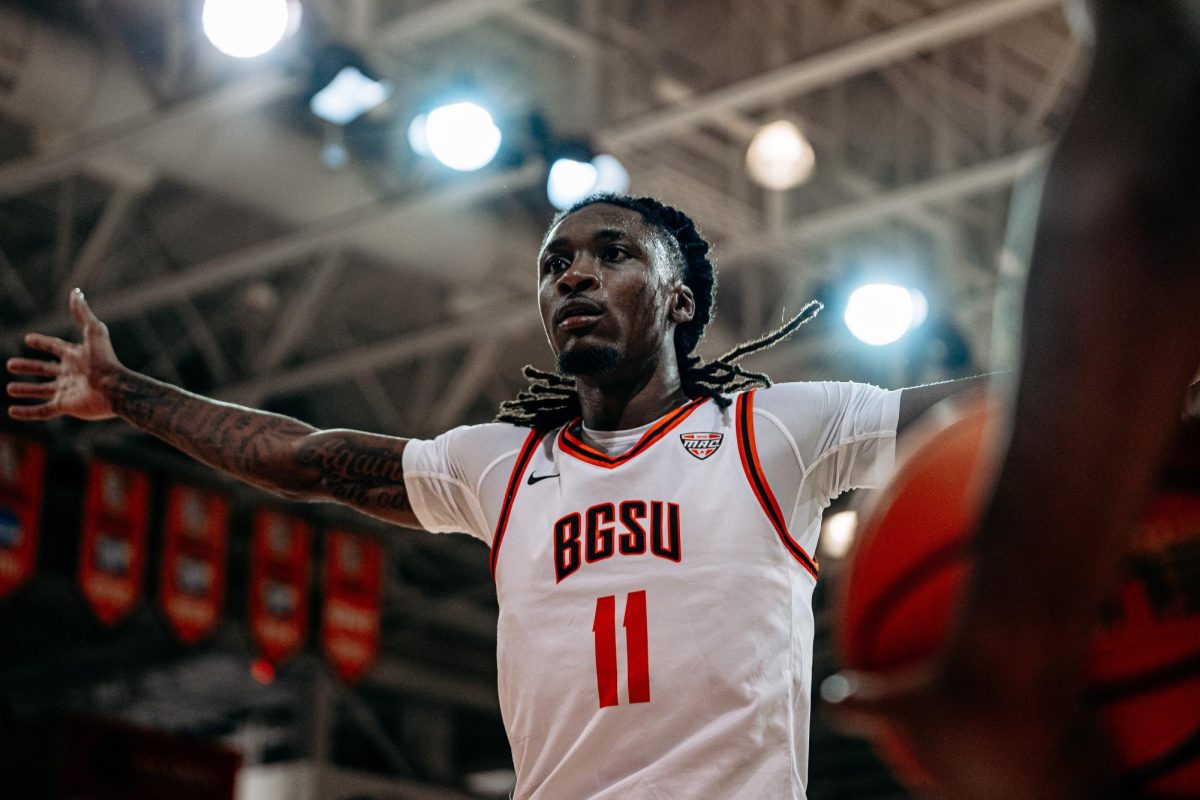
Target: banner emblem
(350, 617)
(112, 554)
(192, 583)
(279, 573)
(22, 477)
(701, 445)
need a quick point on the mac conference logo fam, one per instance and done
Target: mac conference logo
(701, 445)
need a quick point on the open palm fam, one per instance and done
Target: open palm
(76, 373)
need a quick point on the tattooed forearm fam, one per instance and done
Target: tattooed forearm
(272, 451)
(360, 469)
(268, 450)
(237, 440)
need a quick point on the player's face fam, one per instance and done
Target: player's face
(609, 291)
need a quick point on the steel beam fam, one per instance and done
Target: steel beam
(465, 386)
(859, 57)
(121, 205)
(900, 201)
(289, 330)
(439, 19)
(517, 316)
(252, 92)
(68, 154)
(508, 319)
(281, 252)
(551, 31)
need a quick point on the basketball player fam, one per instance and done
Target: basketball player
(651, 517)
(1111, 337)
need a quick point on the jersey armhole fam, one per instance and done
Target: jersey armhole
(748, 450)
(510, 494)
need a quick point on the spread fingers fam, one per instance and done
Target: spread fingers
(40, 391)
(33, 366)
(50, 344)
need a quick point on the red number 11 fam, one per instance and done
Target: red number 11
(637, 648)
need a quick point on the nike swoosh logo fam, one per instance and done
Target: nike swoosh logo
(535, 478)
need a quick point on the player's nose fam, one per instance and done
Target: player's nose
(581, 276)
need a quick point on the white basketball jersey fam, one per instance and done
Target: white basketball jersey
(655, 632)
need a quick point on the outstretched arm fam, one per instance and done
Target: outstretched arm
(274, 452)
(916, 400)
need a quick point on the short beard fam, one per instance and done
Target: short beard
(588, 360)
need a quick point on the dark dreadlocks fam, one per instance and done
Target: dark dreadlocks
(551, 400)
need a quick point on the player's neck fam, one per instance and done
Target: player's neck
(620, 404)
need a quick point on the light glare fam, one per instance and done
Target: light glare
(611, 175)
(780, 157)
(570, 181)
(245, 28)
(418, 140)
(880, 313)
(837, 533)
(348, 96)
(462, 136)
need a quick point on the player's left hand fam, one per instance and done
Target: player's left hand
(955, 739)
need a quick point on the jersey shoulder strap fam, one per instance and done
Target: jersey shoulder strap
(510, 493)
(748, 450)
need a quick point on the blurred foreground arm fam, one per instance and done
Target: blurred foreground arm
(1111, 338)
(275, 452)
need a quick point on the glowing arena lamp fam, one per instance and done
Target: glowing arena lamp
(462, 136)
(247, 28)
(570, 181)
(418, 138)
(780, 157)
(611, 175)
(880, 313)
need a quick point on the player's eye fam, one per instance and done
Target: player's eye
(615, 253)
(555, 264)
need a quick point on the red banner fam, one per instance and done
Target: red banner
(112, 555)
(279, 572)
(192, 586)
(350, 617)
(22, 474)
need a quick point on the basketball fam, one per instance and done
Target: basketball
(911, 562)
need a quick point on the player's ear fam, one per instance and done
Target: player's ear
(683, 304)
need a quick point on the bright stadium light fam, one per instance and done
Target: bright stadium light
(880, 313)
(611, 175)
(780, 157)
(418, 138)
(462, 136)
(569, 181)
(247, 28)
(348, 96)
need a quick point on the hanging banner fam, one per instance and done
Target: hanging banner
(192, 583)
(22, 477)
(350, 615)
(279, 572)
(112, 555)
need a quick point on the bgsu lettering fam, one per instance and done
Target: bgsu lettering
(606, 529)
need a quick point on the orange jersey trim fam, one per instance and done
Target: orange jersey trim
(571, 444)
(510, 494)
(748, 450)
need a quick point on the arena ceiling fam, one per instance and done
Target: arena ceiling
(187, 195)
